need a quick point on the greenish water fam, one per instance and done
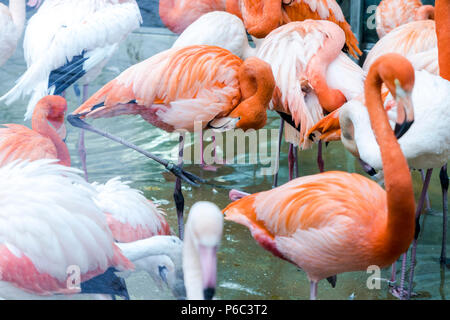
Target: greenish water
(245, 271)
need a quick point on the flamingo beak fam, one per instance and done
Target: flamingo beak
(60, 128)
(405, 110)
(208, 262)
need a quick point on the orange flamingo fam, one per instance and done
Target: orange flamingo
(393, 13)
(181, 86)
(336, 222)
(259, 17)
(43, 140)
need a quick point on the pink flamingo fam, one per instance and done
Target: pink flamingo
(43, 140)
(181, 86)
(393, 13)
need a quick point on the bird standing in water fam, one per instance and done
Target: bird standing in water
(336, 222)
(179, 87)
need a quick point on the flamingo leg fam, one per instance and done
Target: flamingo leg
(280, 136)
(443, 176)
(313, 290)
(320, 162)
(393, 272)
(81, 146)
(177, 194)
(416, 236)
(291, 160)
(427, 198)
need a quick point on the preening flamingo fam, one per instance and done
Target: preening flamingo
(415, 40)
(12, 21)
(204, 229)
(312, 75)
(179, 87)
(393, 13)
(60, 231)
(44, 140)
(259, 17)
(336, 222)
(217, 28)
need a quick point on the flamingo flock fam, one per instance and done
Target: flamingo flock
(62, 237)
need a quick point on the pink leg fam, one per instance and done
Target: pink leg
(280, 136)
(320, 162)
(204, 166)
(291, 160)
(416, 236)
(295, 150)
(81, 146)
(427, 198)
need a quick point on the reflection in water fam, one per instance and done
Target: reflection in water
(245, 271)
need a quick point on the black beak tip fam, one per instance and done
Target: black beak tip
(401, 129)
(208, 293)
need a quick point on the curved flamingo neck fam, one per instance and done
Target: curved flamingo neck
(442, 18)
(425, 13)
(39, 123)
(177, 15)
(400, 227)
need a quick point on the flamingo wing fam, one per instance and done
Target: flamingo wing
(172, 89)
(20, 142)
(43, 234)
(408, 39)
(130, 215)
(393, 13)
(74, 35)
(299, 10)
(317, 222)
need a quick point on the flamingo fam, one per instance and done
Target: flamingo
(336, 222)
(204, 229)
(44, 140)
(179, 87)
(425, 146)
(12, 21)
(312, 75)
(66, 41)
(259, 17)
(393, 13)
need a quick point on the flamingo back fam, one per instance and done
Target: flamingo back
(20, 142)
(299, 10)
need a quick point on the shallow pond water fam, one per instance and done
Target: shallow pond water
(245, 270)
